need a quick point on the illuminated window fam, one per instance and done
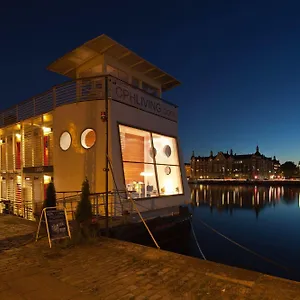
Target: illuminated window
(167, 165)
(150, 162)
(88, 138)
(65, 141)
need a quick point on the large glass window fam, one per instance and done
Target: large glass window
(150, 162)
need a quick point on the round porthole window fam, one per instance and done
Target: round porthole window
(152, 152)
(65, 141)
(167, 151)
(88, 138)
(168, 170)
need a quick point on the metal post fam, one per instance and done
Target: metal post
(106, 156)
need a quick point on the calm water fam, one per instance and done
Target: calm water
(263, 219)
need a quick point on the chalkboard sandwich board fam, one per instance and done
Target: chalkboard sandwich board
(56, 224)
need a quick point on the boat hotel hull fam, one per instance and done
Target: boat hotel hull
(110, 112)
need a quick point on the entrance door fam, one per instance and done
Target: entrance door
(37, 190)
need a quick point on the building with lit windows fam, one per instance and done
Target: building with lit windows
(61, 134)
(187, 169)
(238, 166)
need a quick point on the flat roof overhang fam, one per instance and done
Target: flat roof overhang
(103, 44)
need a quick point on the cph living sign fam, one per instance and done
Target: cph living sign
(134, 97)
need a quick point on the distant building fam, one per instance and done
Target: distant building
(187, 169)
(239, 166)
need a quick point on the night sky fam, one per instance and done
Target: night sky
(238, 62)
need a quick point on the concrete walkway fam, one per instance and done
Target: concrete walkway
(112, 269)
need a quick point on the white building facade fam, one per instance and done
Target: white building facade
(61, 134)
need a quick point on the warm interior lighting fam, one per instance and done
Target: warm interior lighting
(169, 189)
(88, 138)
(47, 118)
(47, 179)
(146, 174)
(47, 130)
(18, 136)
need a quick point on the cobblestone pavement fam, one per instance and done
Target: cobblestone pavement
(15, 232)
(111, 269)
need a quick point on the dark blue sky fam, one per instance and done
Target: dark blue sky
(238, 62)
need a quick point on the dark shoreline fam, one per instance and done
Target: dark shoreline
(294, 183)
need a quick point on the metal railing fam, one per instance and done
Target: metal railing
(22, 208)
(118, 202)
(79, 90)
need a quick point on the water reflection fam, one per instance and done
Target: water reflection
(261, 218)
(231, 198)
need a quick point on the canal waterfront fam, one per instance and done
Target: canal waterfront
(265, 220)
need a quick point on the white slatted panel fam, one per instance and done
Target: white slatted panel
(37, 147)
(27, 147)
(19, 207)
(10, 154)
(3, 188)
(11, 191)
(3, 157)
(27, 198)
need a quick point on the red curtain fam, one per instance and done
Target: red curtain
(46, 150)
(18, 155)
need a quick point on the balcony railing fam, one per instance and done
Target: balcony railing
(86, 89)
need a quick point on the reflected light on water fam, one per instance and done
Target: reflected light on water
(258, 197)
(266, 219)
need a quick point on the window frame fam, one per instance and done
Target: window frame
(84, 130)
(154, 161)
(65, 131)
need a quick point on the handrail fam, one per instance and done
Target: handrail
(47, 101)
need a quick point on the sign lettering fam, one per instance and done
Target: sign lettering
(141, 100)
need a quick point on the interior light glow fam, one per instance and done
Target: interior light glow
(146, 174)
(88, 138)
(169, 188)
(47, 179)
(47, 130)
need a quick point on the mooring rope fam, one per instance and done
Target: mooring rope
(245, 248)
(195, 238)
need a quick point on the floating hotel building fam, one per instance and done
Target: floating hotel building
(60, 135)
